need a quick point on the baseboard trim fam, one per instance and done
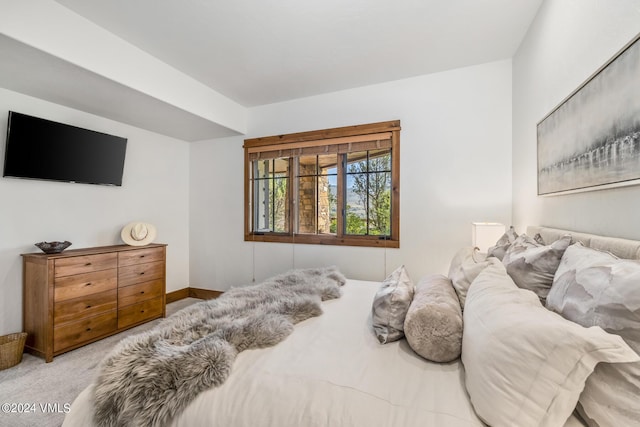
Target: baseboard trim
(177, 295)
(203, 293)
(192, 293)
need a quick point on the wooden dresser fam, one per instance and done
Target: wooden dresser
(83, 295)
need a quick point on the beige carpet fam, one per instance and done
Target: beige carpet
(42, 392)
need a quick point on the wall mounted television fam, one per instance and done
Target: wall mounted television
(43, 149)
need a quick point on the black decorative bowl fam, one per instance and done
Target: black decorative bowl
(53, 247)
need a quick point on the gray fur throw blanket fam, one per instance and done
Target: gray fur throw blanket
(147, 379)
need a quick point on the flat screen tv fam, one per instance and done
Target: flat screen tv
(42, 149)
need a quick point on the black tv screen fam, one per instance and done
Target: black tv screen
(42, 149)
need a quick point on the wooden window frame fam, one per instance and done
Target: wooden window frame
(322, 138)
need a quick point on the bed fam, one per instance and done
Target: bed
(332, 371)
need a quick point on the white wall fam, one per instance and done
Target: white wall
(455, 169)
(568, 41)
(155, 189)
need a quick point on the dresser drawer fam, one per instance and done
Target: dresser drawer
(73, 333)
(140, 292)
(139, 312)
(80, 308)
(81, 285)
(139, 256)
(139, 273)
(84, 264)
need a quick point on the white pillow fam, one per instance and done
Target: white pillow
(465, 266)
(525, 365)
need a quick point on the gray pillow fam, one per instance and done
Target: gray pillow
(433, 325)
(594, 288)
(532, 265)
(503, 244)
(465, 266)
(390, 306)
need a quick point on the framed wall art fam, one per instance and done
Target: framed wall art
(591, 140)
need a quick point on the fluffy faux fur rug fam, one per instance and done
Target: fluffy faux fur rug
(149, 378)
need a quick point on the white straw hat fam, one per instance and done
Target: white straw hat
(138, 233)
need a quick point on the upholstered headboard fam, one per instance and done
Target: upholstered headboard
(622, 248)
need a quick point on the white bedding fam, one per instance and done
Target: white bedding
(331, 371)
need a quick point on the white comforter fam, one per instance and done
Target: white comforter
(330, 372)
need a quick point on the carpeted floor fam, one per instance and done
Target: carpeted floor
(39, 394)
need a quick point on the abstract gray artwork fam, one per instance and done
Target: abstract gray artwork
(593, 138)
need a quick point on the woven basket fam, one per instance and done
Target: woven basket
(11, 347)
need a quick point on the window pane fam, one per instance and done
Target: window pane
(379, 204)
(356, 200)
(262, 168)
(307, 165)
(316, 202)
(328, 164)
(357, 162)
(281, 167)
(270, 195)
(327, 204)
(262, 219)
(368, 210)
(327, 194)
(307, 204)
(279, 205)
(380, 160)
(307, 197)
(356, 194)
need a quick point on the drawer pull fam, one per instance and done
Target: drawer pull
(88, 307)
(88, 284)
(142, 292)
(87, 264)
(141, 256)
(142, 273)
(141, 311)
(88, 329)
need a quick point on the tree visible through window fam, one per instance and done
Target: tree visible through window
(369, 178)
(335, 186)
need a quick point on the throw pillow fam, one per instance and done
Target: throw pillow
(595, 288)
(532, 265)
(503, 244)
(433, 325)
(525, 365)
(390, 306)
(465, 266)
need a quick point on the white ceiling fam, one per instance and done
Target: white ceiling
(215, 59)
(266, 51)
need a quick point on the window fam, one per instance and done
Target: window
(334, 186)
